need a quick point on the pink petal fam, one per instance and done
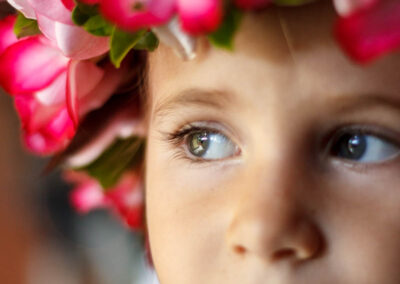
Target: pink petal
(7, 36)
(371, 32)
(200, 16)
(52, 9)
(134, 217)
(44, 137)
(151, 13)
(87, 196)
(73, 41)
(34, 114)
(30, 65)
(127, 199)
(252, 4)
(104, 89)
(24, 7)
(82, 78)
(55, 93)
(69, 4)
(45, 104)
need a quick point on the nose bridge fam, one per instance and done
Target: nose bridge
(270, 219)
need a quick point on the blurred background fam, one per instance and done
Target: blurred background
(42, 240)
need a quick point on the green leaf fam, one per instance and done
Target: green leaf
(88, 17)
(98, 26)
(83, 12)
(224, 36)
(121, 43)
(115, 161)
(148, 42)
(25, 27)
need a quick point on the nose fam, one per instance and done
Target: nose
(270, 222)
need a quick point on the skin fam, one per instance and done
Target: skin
(284, 207)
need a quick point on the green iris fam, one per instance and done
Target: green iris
(198, 143)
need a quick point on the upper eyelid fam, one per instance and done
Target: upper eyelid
(364, 130)
(326, 141)
(178, 137)
(375, 131)
(212, 126)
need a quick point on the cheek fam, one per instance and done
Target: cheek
(190, 208)
(360, 216)
(188, 212)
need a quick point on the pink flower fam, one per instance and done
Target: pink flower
(125, 199)
(23, 7)
(48, 88)
(137, 14)
(7, 36)
(54, 19)
(200, 16)
(87, 194)
(371, 30)
(44, 135)
(196, 16)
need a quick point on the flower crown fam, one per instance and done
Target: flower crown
(68, 65)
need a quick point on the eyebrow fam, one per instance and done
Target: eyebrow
(365, 101)
(216, 99)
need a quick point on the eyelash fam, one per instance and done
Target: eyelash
(372, 130)
(376, 131)
(178, 137)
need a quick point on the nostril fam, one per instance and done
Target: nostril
(284, 253)
(239, 249)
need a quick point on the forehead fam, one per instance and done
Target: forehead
(285, 54)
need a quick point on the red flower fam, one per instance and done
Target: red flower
(370, 30)
(125, 199)
(137, 14)
(196, 16)
(200, 16)
(51, 91)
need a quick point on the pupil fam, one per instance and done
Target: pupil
(198, 143)
(352, 146)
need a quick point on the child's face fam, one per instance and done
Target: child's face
(276, 163)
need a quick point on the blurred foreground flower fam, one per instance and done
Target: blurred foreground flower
(196, 16)
(125, 198)
(44, 84)
(369, 28)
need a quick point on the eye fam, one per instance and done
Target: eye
(210, 145)
(364, 148)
